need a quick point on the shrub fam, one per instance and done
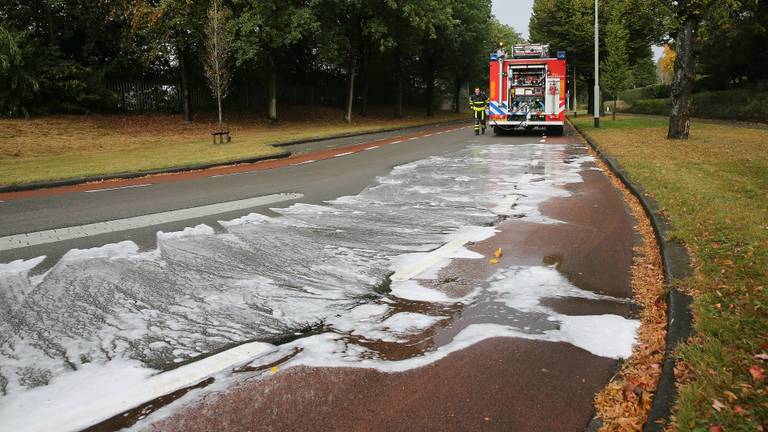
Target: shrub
(743, 105)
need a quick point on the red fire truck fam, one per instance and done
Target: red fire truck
(527, 89)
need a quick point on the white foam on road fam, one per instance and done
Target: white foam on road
(96, 392)
(267, 276)
(81, 231)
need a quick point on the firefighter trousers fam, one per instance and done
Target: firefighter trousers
(479, 120)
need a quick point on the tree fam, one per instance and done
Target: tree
(17, 84)
(468, 54)
(264, 28)
(172, 29)
(218, 46)
(738, 35)
(616, 72)
(666, 66)
(568, 25)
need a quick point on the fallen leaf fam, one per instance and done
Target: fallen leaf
(762, 356)
(493, 261)
(717, 405)
(498, 253)
(730, 395)
(715, 428)
(739, 410)
(758, 373)
(274, 369)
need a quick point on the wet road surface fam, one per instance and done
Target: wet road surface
(464, 344)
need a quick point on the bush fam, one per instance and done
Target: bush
(67, 87)
(743, 105)
(655, 91)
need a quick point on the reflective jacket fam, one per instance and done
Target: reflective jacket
(478, 102)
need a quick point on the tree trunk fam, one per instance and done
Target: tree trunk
(682, 83)
(365, 77)
(218, 100)
(429, 77)
(185, 93)
(350, 92)
(398, 83)
(456, 94)
(272, 90)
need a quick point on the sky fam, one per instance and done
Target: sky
(517, 13)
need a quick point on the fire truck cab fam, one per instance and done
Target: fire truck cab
(527, 90)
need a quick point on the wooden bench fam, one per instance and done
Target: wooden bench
(221, 135)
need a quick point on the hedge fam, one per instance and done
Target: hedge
(744, 105)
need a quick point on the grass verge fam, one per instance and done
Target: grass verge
(714, 189)
(64, 147)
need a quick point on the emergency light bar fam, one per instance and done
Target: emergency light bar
(525, 51)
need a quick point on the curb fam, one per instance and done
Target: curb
(197, 167)
(676, 266)
(137, 174)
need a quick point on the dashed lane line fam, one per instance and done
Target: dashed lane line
(343, 154)
(81, 231)
(118, 188)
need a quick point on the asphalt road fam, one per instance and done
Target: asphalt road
(502, 383)
(317, 181)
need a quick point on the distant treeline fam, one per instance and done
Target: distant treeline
(78, 56)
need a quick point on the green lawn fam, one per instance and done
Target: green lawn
(714, 189)
(63, 147)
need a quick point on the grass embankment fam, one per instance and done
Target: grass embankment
(714, 189)
(63, 147)
(740, 105)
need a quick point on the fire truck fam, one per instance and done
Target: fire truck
(527, 89)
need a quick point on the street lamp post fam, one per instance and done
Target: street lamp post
(596, 107)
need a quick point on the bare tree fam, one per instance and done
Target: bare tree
(218, 46)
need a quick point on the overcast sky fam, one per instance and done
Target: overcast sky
(517, 13)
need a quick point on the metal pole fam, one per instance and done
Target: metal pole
(597, 71)
(575, 101)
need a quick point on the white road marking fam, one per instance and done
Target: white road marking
(81, 231)
(413, 138)
(395, 142)
(304, 163)
(431, 259)
(343, 154)
(427, 135)
(119, 188)
(77, 412)
(227, 175)
(371, 148)
(542, 141)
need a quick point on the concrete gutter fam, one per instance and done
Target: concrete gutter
(676, 266)
(203, 166)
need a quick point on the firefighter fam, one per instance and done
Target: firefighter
(479, 102)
